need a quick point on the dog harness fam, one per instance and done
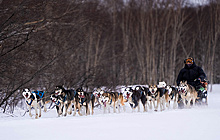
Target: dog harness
(57, 102)
(64, 98)
(39, 93)
(82, 99)
(154, 95)
(32, 98)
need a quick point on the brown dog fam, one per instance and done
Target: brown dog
(187, 93)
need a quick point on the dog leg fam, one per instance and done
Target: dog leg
(104, 109)
(158, 102)
(154, 103)
(123, 104)
(114, 107)
(184, 101)
(168, 104)
(92, 107)
(188, 102)
(74, 114)
(108, 106)
(194, 100)
(35, 108)
(29, 110)
(87, 109)
(65, 109)
(138, 106)
(163, 104)
(206, 100)
(75, 108)
(44, 105)
(38, 105)
(175, 104)
(146, 106)
(151, 104)
(57, 107)
(70, 108)
(124, 108)
(79, 110)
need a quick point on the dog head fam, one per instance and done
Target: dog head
(104, 99)
(26, 93)
(53, 97)
(169, 89)
(98, 92)
(80, 92)
(127, 92)
(182, 87)
(59, 90)
(153, 89)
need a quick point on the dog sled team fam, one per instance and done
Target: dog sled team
(191, 89)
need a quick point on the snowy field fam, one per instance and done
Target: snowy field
(197, 123)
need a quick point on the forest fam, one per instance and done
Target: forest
(92, 43)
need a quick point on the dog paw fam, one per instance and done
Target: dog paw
(80, 114)
(40, 115)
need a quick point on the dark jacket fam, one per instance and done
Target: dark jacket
(191, 73)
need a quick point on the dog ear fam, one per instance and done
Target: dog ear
(185, 82)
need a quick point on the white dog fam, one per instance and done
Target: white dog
(33, 100)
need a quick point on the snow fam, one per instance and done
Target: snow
(197, 123)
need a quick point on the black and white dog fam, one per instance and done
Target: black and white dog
(83, 98)
(171, 95)
(134, 97)
(138, 96)
(156, 95)
(33, 99)
(63, 99)
(97, 93)
(127, 95)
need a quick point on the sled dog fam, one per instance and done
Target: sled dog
(109, 99)
(187, 93)
(127, 95)
(83, 99)
(171, 95)
(63, 99)
(33, 99)
(156, 96)
(137, 97)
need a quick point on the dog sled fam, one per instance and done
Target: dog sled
(202, 93)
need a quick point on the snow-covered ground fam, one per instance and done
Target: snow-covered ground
(197, 123)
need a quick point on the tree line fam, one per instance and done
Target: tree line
(93, 43)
